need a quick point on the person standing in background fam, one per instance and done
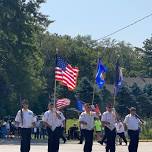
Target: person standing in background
(98, 129)
(37, 128)
(25, 120)
(133, 123)
(120, 131)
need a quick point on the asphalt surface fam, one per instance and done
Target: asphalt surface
(70, 147)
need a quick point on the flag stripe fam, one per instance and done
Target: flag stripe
(66, 74)
(61, 103)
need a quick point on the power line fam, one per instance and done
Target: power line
(125, 27)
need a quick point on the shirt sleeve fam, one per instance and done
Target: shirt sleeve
(139, 122)
(81, 117)
(34, 119)
(126, 120)
(18, 117)
(45, 117)
(94, 114)
(103, 118)
(62, 116)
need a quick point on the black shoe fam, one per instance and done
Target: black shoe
(64, 141)
(80, 143)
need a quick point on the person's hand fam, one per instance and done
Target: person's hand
(49, 126)
(17, 124)
(33, 124)
(84, 123)
(107, 123)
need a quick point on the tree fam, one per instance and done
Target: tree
(147, 57)
(144, 105)
(136, 91)
(125, 99)
(22, 60)
(148, 89)
(85, 90)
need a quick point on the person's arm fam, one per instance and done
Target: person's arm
(47, 125)
(120, 125)
(62, 117)
(18, 119)
(82, 120)
(34, 122)
(59, 115)
(45, 120)
(141, 121)
(104, 121)
(125, 123)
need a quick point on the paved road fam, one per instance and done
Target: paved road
(74, 147)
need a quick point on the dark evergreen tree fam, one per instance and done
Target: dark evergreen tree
(124, 100)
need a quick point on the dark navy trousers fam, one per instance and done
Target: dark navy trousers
(134, 139)
(110, 135)
(53, 139)
(88, 135)
(25, 139)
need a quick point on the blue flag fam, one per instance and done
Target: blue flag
(80, 105)
(101, 69)
(118, 78)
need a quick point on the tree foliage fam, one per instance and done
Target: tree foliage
(21, 60)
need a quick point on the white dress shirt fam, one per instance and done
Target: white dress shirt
(109, 117)
(119, 127)
(89, 119)
(51, 118)
(132, 122)
(28, 118)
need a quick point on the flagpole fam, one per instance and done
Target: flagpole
(95, 80)
(114, 98)
(93, 94)
(55, 79)
(115, 83)
(94, 86)
(54, 93)
(21, 110)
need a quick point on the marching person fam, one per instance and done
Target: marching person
(25, 120)
(120, 131)
(37, 128)
(87, 119)
(132, 123)
(109, 119)
(53, 120)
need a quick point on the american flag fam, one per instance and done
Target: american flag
(61, 103)
(65, 73)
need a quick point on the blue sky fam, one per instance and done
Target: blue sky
(100, 17)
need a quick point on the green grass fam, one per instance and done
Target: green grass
(146, 133)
